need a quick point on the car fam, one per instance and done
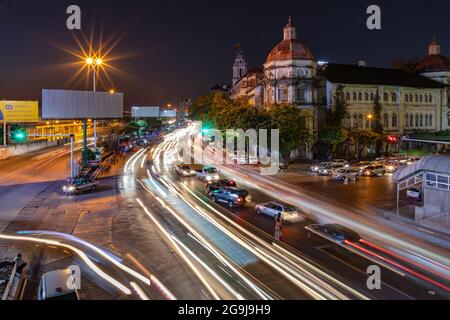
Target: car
(414, 193)
(329, 169)
(55, 286)
(340, 161)
(78, 186)
(208, 174)
(220, 184)
(374, 171)
(273, 209)
(344, 174)
(233, 197)
(391, 166)
(362, 164)
(185, 171)
(321, 165)
(333, 232)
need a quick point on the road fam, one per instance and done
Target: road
(405, 276)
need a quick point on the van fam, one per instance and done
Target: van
(54, 286)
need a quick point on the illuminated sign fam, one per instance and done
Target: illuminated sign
(20, 111)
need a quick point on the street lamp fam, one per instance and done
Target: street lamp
(95, 64)
(370, 117)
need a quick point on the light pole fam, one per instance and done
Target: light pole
(370, 117)
(95, 64)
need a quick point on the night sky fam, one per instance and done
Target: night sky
(171, 48)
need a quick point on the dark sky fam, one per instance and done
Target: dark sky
(170, 48)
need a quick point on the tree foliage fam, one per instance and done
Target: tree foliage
(334, 137)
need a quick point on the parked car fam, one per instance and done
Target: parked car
(273, 209)
(340, 161)
(78, 186)
(208, 174)
(333, 232)
(185, 171)
(374, 171)
(54, 286)
(220, 184)
(414, 193)
(351, 174)
(233, 197)
(329, 169)
(362, 164)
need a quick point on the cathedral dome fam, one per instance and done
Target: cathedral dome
(290, 48)
(435, 61)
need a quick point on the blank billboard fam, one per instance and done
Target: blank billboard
(145, 112)
(68, 105)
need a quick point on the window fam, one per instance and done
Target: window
(355, 121)
(430, 121)
(360, 121)
(372, 97)
(394, 120)
(417, 120)
(360, 96)
(421, 98)
(385, 97)
(355, 96)
(426, 98)
(347, 96)
(417, 98)
(406, 98)
(366, 96)
(407, 121)
(421, 120)
(441, 182)
(394, 97)
(430, 99)
(426, 120)
(411, 121)
(386, 120)
(301, 95)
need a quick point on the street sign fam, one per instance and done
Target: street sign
(81, 105)
(19, 111)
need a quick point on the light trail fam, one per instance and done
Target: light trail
(178, 249)
(131, 159)
(139, 291)
(99, 251)
(80, 253)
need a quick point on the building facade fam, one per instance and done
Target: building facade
(292, 75)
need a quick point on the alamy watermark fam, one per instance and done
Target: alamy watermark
(214, 147)
(374, 280)
(73, 22)
(374, 19)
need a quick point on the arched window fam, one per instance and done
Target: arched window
(355, 96)
(347, 96)
(421, 120)
(366, 96)
(360, 96)
(385, 97)
(417, 120)
(372, 97)
(301, 94)
(394, 120)
(394, 97)
(421, 98)
(411, 121)
(407, 121)
(406, 98)
(417, 98)
(426, 98)
(426, 120)
(430, 121)
(386, 120)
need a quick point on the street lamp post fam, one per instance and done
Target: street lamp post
(95, 64)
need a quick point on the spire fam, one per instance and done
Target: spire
(434, 48)
(289, 31)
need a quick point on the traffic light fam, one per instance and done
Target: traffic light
(19, 135)
(393, 139)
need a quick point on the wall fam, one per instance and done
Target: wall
(12, 151)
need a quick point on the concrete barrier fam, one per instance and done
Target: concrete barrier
(21, 149)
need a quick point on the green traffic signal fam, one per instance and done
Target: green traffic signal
(20, 135)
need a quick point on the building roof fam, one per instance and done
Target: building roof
(433, 63)
(351, 74)
(290, 50)
(438, 164)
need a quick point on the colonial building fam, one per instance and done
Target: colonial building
(291, 74)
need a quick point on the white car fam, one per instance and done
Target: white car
(273, 209)
(329, 169)
(208, 174)
(185, 171)
(350, 174)
(320, 166)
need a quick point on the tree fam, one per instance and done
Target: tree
(340, 109)
(364, 139)
(377, 107)
(333, 137)
(291, 123)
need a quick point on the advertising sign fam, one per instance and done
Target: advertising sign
(20, 111)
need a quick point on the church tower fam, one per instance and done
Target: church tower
(239, 66)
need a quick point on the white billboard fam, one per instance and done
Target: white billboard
(145, 112)
(68, 105)
(168, 113)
